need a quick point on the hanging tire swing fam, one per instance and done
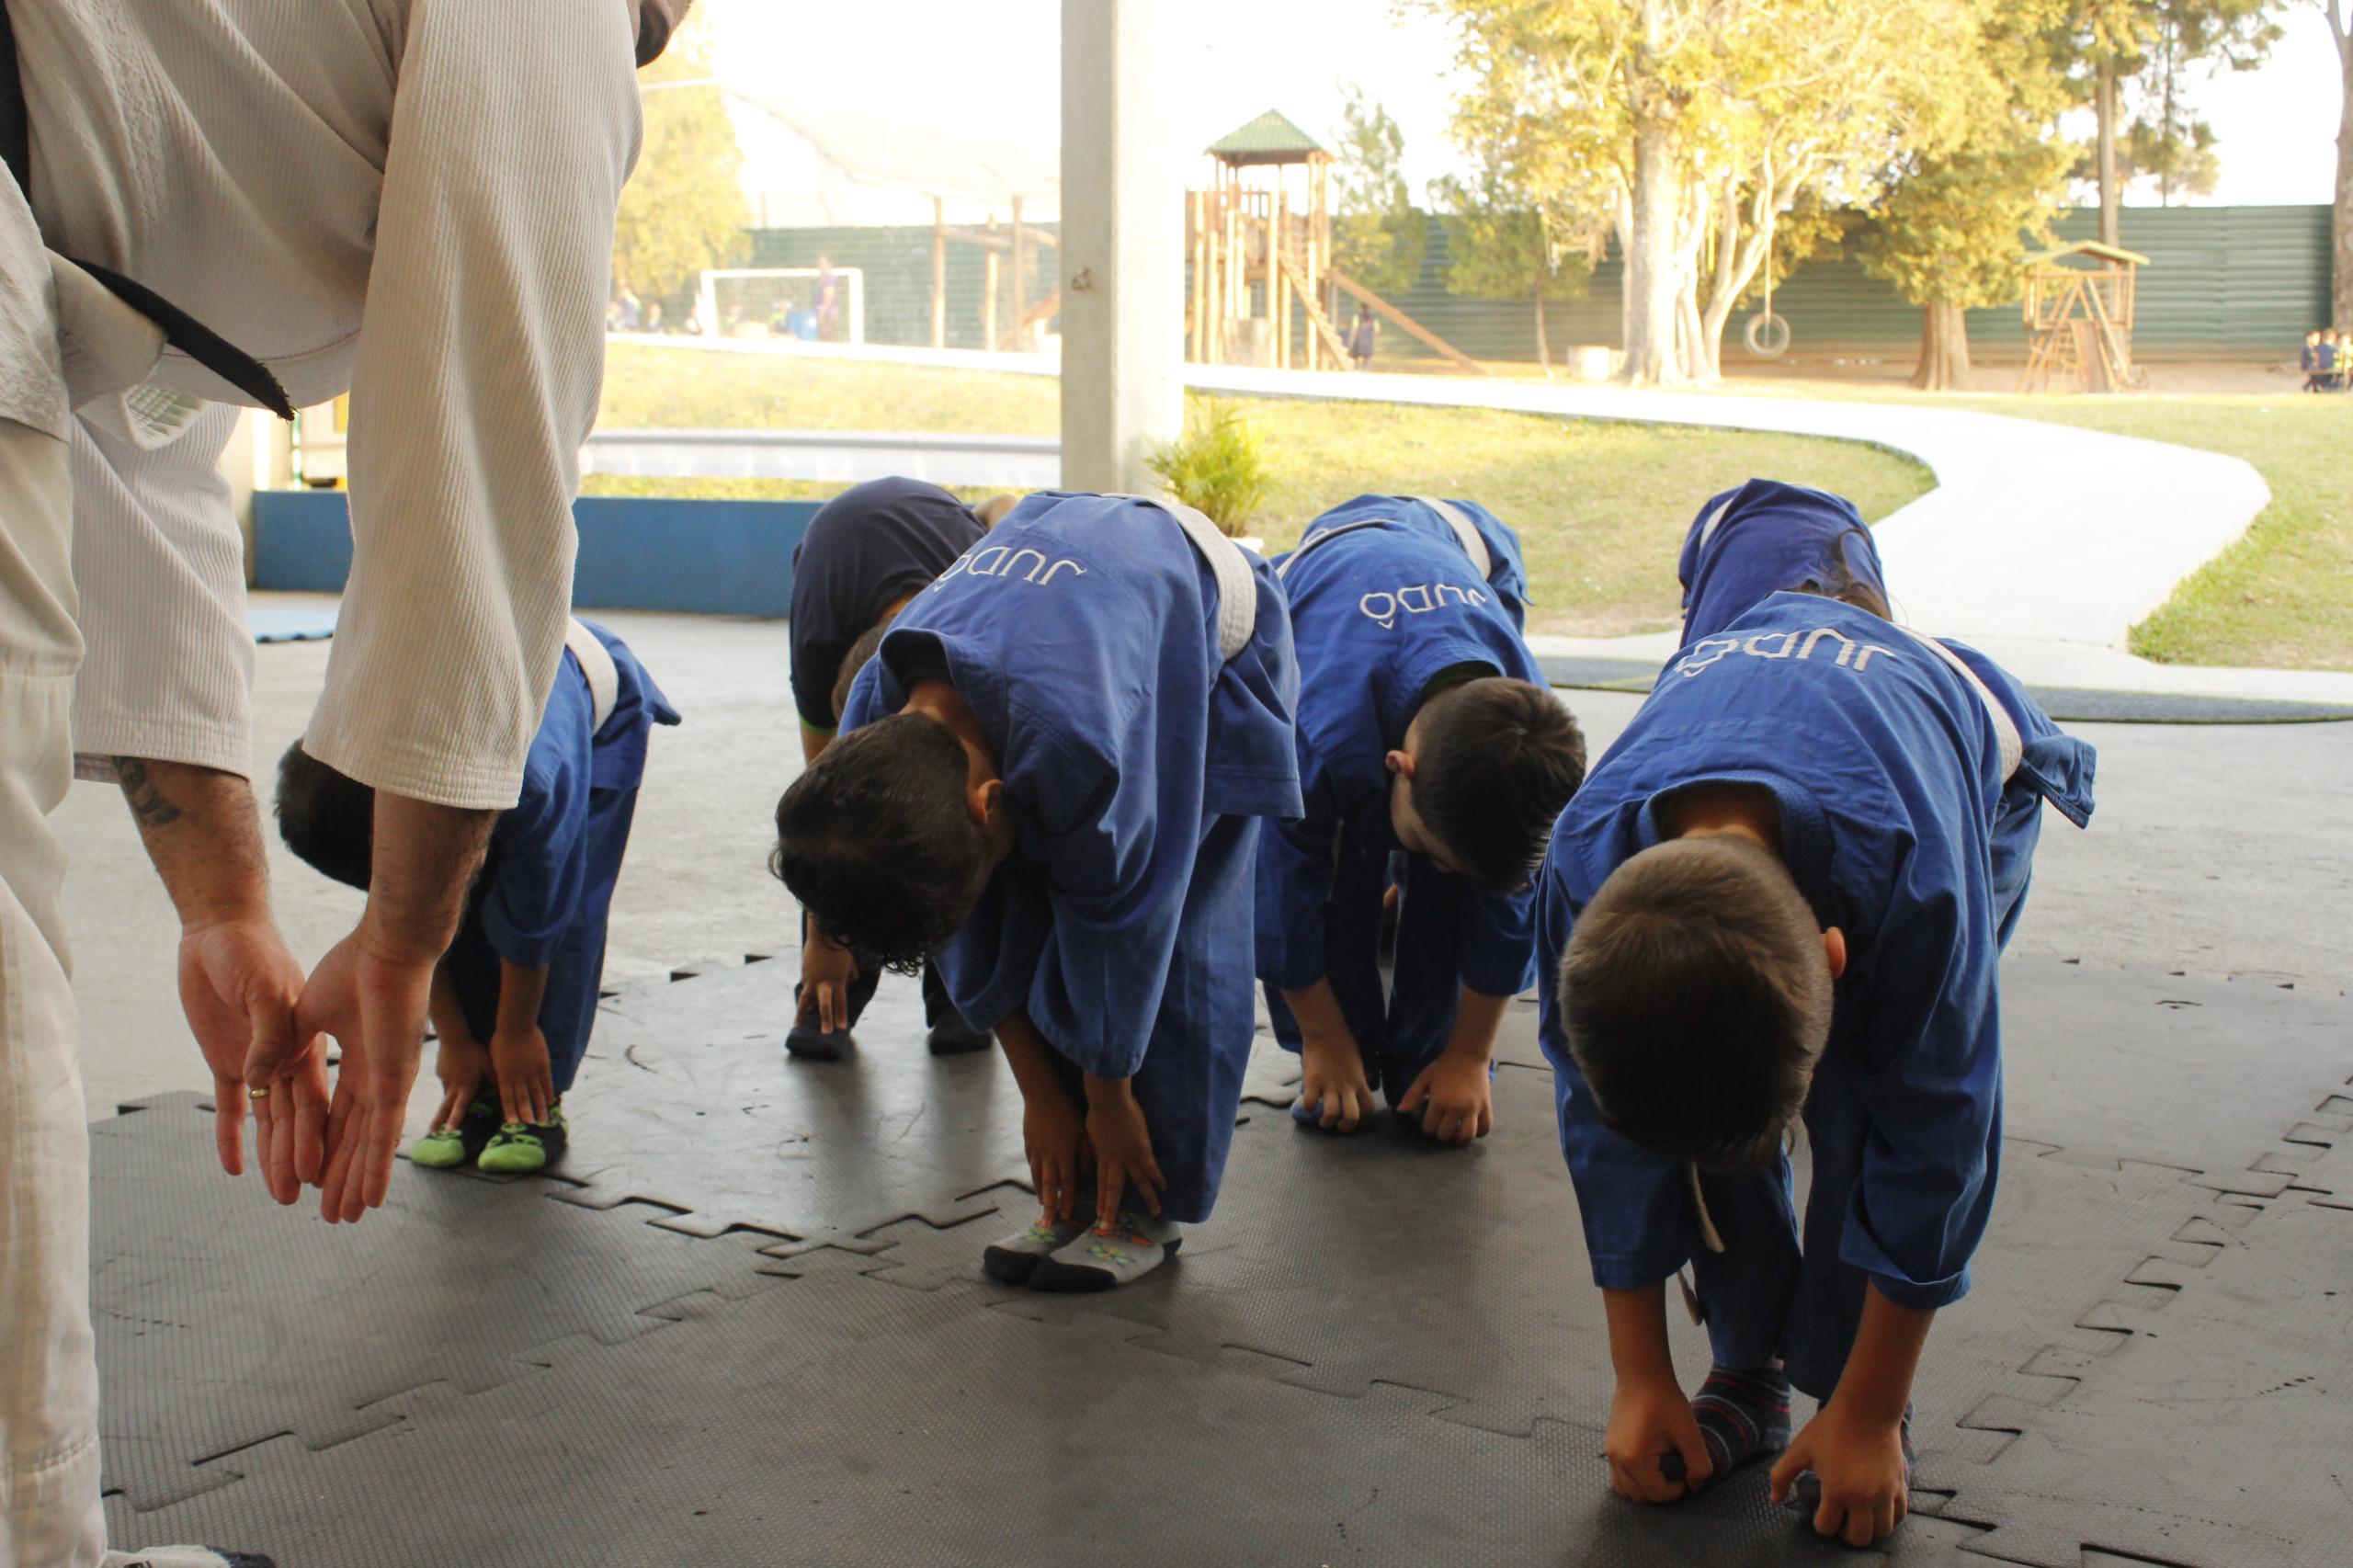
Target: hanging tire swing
(1767, 335)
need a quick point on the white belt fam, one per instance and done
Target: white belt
(1465, 532)
(596, 663)
(2006, 729)
(1237, 590)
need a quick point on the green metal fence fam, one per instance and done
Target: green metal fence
(2225, 282)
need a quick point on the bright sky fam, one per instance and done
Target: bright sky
(995, 66)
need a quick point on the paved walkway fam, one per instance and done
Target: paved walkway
(2043, 543)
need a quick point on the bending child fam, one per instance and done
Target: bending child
(1050, 778)
(866, 553)
(1783, 895)
(515, 997)
(1427, 736)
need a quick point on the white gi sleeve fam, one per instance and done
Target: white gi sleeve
(480, 362)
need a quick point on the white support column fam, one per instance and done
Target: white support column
(1122, 245)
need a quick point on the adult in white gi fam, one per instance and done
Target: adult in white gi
(409, 198)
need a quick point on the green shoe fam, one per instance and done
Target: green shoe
(522, 1147)
(453, 1146)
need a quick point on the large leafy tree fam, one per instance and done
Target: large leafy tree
(1376, 236)
(1954, 226)
(683, 209)
(1689, 128)
(1497, 246)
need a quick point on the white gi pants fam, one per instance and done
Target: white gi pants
(50, 1514)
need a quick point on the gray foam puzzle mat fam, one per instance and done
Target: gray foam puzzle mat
(2068, 704)
(1377, 1351)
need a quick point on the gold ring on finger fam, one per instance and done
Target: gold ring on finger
(260, 1094)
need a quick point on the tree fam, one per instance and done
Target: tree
(1689, 128)
(1497, 248)
(1954, 227)
(1376, 237)
(683, 209)
(2136, 56)
(2340, 28)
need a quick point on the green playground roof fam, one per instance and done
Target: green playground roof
(2085, 247)
(1269, 139)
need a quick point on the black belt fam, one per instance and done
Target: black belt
(182, 331)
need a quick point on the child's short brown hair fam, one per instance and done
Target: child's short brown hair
(1696, 999)
(1498, 760)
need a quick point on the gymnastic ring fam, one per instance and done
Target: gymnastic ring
(1768, 334)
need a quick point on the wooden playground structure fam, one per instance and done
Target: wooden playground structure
(1009, 318)
(1263, 287)
(2079, 319)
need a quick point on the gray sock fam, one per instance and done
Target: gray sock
(184, 1557)
(1101, 1259)
(1011, 1260)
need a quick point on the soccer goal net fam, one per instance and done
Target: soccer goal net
(816, 304)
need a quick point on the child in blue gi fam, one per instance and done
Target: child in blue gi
(866, 553)
(1050, 777)
(515, 996)
(1782, 894)
(1425, 733)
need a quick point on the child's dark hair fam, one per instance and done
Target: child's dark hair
(1839, 582)
(876, 842)
(327, 818)
(1494, 762)
(1696, 999)
(854, 661)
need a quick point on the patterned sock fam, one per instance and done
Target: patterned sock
(1743, 1414)
(1012, 1260)
(1102, 1259)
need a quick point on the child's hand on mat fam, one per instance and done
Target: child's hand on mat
(1332, 1081)
(1054, 1131)
(1122, 1146)
(1649, 1419)
(826, 971)
(462, 1064)
(525, 1081)
(1860, 1461)
(1456, 1099)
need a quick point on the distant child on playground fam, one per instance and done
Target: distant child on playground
(1050, 778)
(515, 997)
(866, 553)
(1782, 895)
(1426, 735)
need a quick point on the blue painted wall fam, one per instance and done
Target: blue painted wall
(636, 553)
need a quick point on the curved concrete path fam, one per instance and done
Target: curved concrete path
(2042, 543)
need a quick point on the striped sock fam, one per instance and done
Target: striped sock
(1743, 1414)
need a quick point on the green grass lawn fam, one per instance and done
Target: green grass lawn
(1600, 507)
(2282, 597)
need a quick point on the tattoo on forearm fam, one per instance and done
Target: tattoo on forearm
(149, 806)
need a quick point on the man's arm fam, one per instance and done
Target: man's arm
(238, 983)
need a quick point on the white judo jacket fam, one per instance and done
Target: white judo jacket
(409, 199)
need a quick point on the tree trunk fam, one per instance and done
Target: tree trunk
(1944, 347)
(2111, 199)
(2341, 289)
(1650, 272)
(1544, 345)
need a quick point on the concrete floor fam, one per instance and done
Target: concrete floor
(2216, 849)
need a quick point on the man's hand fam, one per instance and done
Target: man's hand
(826, 971)
(239, 986)
(1123, 1147)
(1332, 1080)
(1649, 1419)
(373, 1004)
(463, 1066)
(1866, 1490)
(371, 991)
(525, 1081)
(1456, 1097)
(1054, 1133)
